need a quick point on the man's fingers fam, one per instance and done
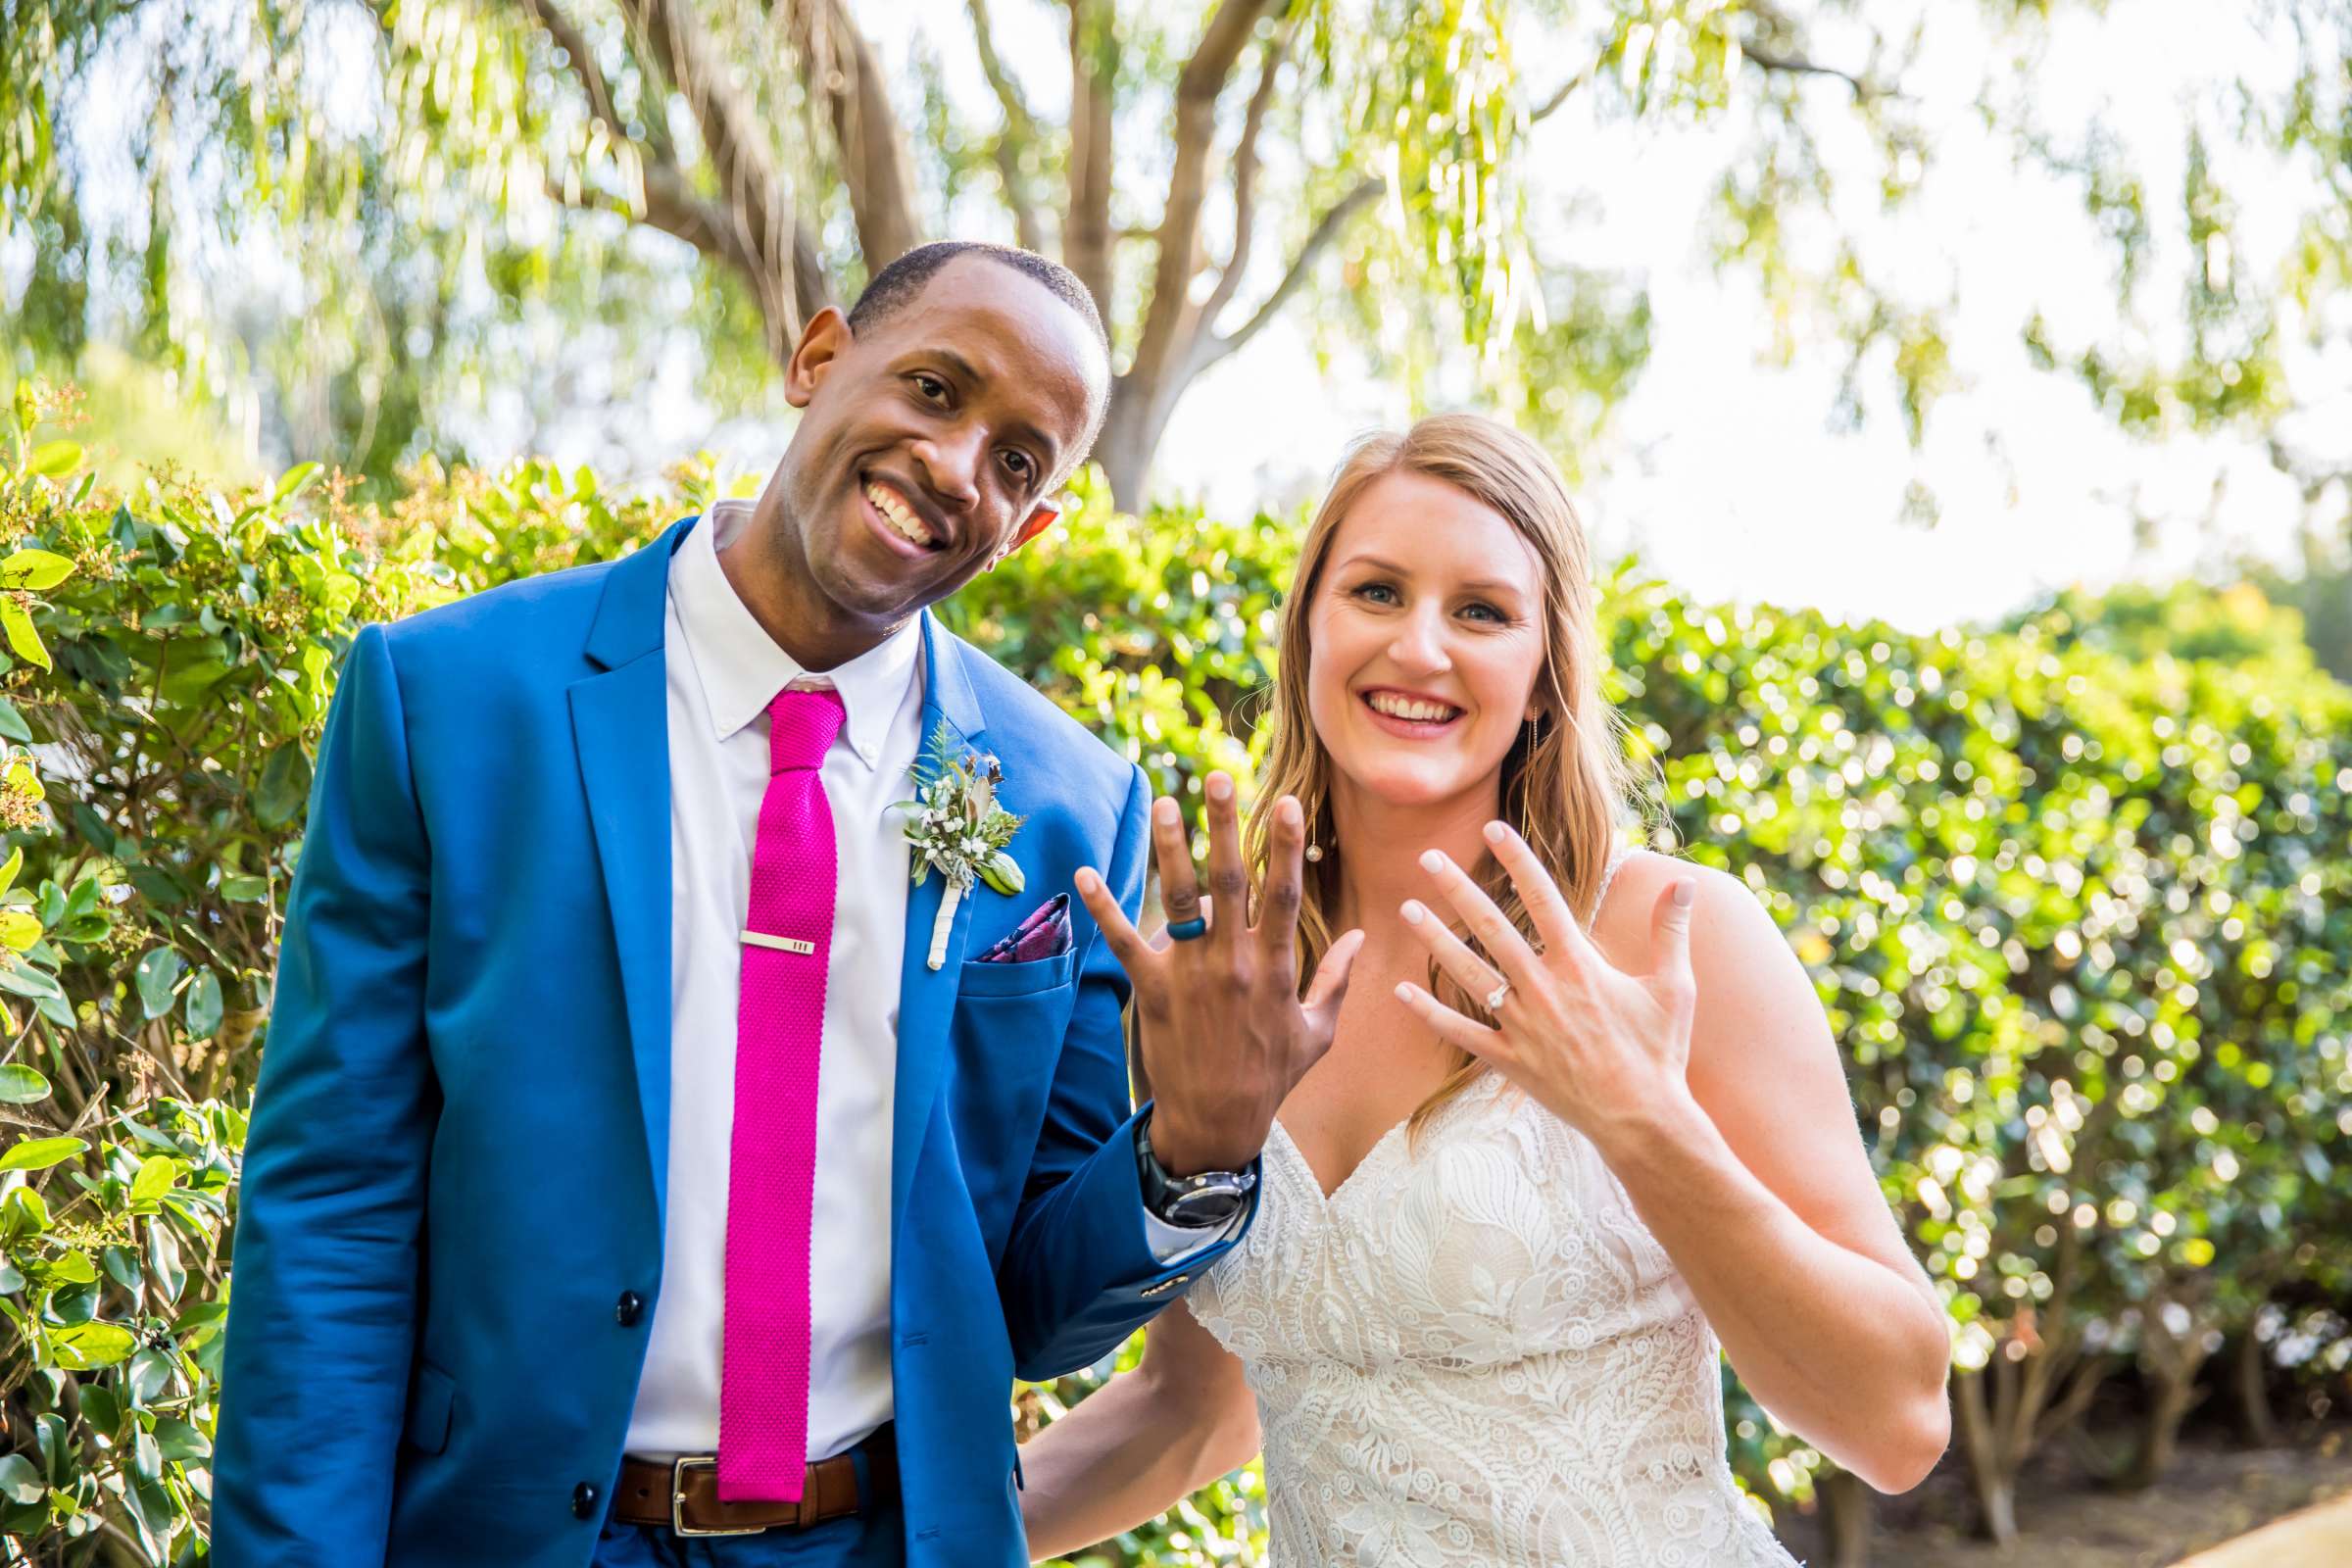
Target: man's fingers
(1227, 878)
(1329, 987)
(1278, 905)
(1179, 892)
(1472, 972)
(1452, 1028)
(1127, 943)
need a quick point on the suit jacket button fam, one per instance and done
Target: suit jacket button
(628, 1309)
(583, 1502)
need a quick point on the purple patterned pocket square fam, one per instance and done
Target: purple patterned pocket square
(1045, 934)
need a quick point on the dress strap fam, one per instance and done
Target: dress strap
(1609, 874)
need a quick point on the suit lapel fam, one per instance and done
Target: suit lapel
(927, 996)
(620, 723)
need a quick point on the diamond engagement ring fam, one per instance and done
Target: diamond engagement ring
(1495, 996)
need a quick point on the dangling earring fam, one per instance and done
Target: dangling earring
(1314, 851)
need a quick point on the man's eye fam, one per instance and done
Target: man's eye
(1022, 469)
(930, 386)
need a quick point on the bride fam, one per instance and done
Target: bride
(1583, 1119)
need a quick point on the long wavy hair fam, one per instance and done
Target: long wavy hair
(1565, 784)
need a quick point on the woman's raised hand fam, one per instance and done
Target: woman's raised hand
(1225, 1033)
(1603, 1050)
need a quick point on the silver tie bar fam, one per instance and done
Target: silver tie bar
(761, 938)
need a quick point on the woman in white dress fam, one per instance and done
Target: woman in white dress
(1539, 1176)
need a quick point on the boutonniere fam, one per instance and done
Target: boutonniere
(956, 827)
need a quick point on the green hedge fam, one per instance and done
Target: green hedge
(2077, 917)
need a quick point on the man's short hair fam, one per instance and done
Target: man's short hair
(897, 285)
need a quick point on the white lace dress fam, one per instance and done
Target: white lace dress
(1474, 1355)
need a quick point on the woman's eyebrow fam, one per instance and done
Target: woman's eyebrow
(1488, 585)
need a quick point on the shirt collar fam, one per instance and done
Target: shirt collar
(740, 666)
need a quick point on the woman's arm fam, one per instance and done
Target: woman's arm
(1134, 1446)
(1759, 1187)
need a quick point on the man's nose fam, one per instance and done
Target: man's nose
(951, 465)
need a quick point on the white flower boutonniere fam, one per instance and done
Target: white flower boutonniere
(956, 828)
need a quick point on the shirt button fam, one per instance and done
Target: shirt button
(628, 1309)
(583, 1502)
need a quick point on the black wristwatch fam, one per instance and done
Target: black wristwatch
(1194, 1202)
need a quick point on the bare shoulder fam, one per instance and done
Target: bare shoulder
(1756, 1005)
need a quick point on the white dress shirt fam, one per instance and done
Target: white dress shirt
(723, 671)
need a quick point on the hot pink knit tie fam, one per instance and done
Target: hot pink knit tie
(771, 1171)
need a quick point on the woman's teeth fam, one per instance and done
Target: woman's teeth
(898, 516)
(1410, 709)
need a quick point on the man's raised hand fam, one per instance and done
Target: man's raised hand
(1225, 1034)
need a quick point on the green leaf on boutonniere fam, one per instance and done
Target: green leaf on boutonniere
(1002, 872)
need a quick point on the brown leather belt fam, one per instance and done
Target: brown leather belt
(682, 1495)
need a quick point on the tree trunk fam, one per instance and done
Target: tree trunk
(2169, 1363)
(2250, 1380)
(1138, 418)
(1844, 1519)
(1991, 1470)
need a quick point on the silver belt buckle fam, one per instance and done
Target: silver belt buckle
(677, 1497)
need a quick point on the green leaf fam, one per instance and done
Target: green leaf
(284, 784)
(20, 1085)
(204, 1005)
(157, 974)
(150, 1375)
(54, 458)
(290, 483)
(12, 723)
(101, 1408)
(21, 638)
(163, 1259)
(8, 872)
(79, 1347)
(36, 570)
(181, 1440)
(19, 1482)
(26, 981)
(157, 1173)
(19, 929)
(73, 1268)
(1002, 872)
(245, 888)
(39, 1153)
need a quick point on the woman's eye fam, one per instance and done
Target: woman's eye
(1486, 611)
(1379, 592)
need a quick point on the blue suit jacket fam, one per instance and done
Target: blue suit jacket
(461, 1133)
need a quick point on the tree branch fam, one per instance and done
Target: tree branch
(755, 216)
(1245, 176)
(582, 61)
(1085, 225)
(1766, 59)
(1166, 338)
(1327, 228)
(1018, 135)
(838, 68)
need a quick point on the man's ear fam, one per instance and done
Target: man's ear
(825, 338)
(1039, 521)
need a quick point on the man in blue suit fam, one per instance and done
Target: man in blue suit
(488, 1304)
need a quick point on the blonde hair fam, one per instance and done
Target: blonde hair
(1565, 783)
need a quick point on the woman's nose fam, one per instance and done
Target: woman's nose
(1420, 644)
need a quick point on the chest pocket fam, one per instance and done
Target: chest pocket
(1003, 1045)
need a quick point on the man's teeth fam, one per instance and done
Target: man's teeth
(1408, 708)
(895, 512)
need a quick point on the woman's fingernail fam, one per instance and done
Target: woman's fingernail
(1414, 911)
(1684, 893)
(1495, 832)
(1431, 860)
(1405, 991)
(1287, 810)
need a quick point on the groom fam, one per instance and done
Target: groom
(637, 1156)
